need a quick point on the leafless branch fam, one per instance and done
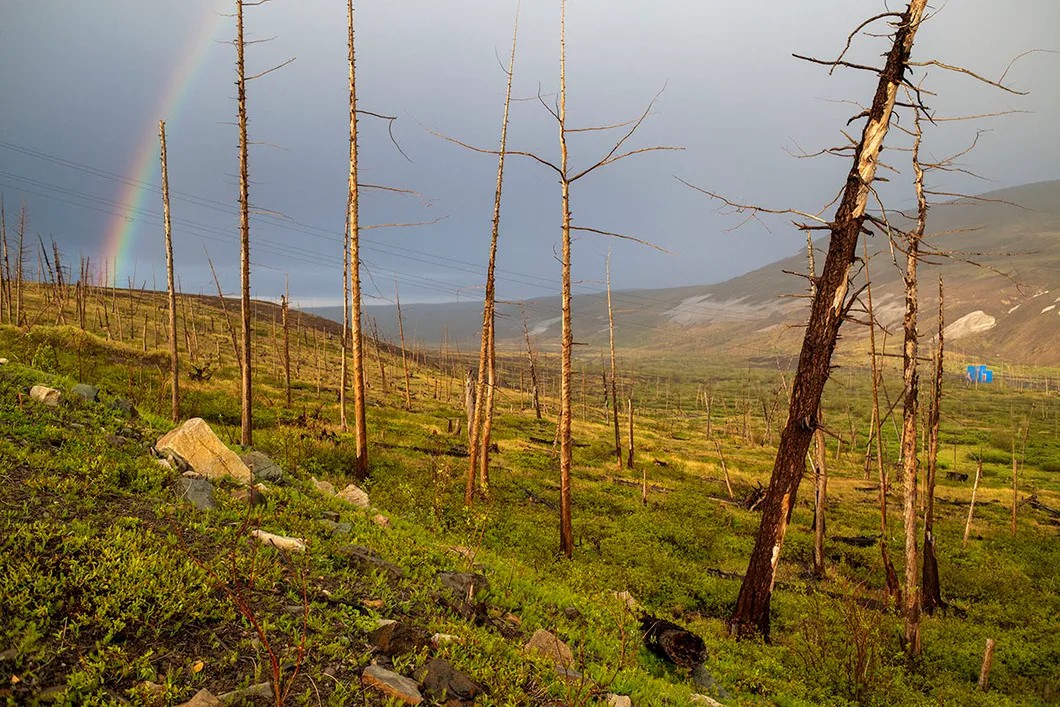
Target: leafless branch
(622, 236)
(269, 71)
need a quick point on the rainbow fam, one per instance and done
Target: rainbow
(135, 192)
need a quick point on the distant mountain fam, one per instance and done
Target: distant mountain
(1002, 293)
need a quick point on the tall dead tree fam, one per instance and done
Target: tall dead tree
(480, 422)
(360, 422)
(911, 405)
(932, 594)
(614, 368)
(20, 254)
(174, 358)
(404, 352)
(826, 315)
(5, 268)
(534, 393)
(245, 378)
(893, 587)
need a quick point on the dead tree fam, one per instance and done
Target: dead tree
(404, 353)
(246, 394)
(534, 393)
(285, 307)
(20, 254)
(826, 315)
(971, 505)
(480, 419)
(174, 359)
(5, 268)
(820, 496)
(932, 594)
(893, 587)
(614, 369)
(360, 422)
(567, 177)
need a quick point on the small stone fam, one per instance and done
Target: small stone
(337, 528)
(199, 492)
(251, 495)
(399, 638)
(627, 599)
(513, 619)
(366, 560)
(196, 445)
(572, 613)
(126, 407)
(466, 585)
(263, 468)
(373, 603)
(381, 520)
(354, 496)
(330, 515)
(262, 690)
(614, 700)
(547, 645)
(280, 542)
(9, 654)
(3, 361)
(85, 393)
(189, 474)
(391, 684)
(441, 681)
(46, 395)
(704, 700)
(202, 698)
(322, 486)
(440, 639)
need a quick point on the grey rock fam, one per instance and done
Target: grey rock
(355, 496)
(199, 492)
(337, 528)
(86, 393)
(391, 684)
(546, 644)
(262, 690)
(125, 407)
(398, 638)
(365, 560)
(263, 468)
(203, 698)
(466, 585)
(196, 444)
(439, 680)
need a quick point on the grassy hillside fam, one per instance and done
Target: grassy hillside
(116, 589)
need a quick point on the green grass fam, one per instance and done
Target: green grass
(115, 582)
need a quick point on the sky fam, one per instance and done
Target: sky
(84, 85)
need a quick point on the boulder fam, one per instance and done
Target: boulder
(398, 638)
(263, 468)
(202, 698)
(466, 585)
(547, 645)
(198, 492)
(391, 684)
(280, 542)
(354, 496)
(85, 392)
(195, 444)
(46, 395)
(441, 681)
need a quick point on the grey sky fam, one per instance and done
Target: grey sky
(83, 82)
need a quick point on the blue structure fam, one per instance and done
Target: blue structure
(980, 374)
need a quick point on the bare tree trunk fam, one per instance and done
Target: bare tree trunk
(20, 308)
(566, 532)
(614, 369)
(480, 417)
(629, 459)
(911, 408)
(820, 497)
(228, 319)
(246, 394)
(487, 423)
(894, 589)
(360, 422)
(5, 269)
(174, 360)
(344, 347)
(988, 661)
(285, 307)
(932, 594)
(971, 506)
(404, 355)
(533, 369)
(1015, 492)
(752, 606)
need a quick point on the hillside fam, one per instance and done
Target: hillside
(120, 587)
(999, 308)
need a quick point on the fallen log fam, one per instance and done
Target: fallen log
(673, 643)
